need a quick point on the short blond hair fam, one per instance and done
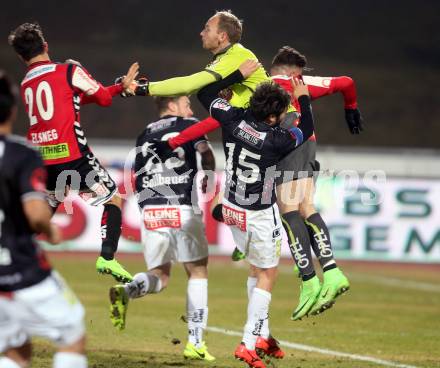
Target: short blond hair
(230, 24)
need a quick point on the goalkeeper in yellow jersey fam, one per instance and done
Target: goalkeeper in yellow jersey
(221, 36)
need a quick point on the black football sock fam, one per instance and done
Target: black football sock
(299, 243)
(111, 222)
(320, 239)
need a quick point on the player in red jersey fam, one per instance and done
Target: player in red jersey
(52, 93)
(303, 224)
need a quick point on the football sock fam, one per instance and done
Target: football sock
(143, 283)
(69, 360)
(257, 313)
(8, 363)
(299, 243)
(320, 239)
(251, 283)
(197, 310)
(111, 222)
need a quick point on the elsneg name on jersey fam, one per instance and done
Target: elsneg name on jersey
(247, 134)
(158, 180)
(44, 137)
(161, 125)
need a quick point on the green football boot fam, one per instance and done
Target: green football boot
(114, 268)
(296, 271)
(237, 255)
(335, 284)
(201, 353)
(309, 293)
(118, 306)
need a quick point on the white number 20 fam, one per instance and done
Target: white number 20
(45, 113)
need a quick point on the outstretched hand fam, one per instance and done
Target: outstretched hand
(248, 67)
(299, 88)
(128, 81)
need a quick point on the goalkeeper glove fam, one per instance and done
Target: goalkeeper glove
(354, 120)
(142, 87)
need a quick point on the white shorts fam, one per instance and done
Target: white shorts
(257, 233)
(48, 309)
(172, 233)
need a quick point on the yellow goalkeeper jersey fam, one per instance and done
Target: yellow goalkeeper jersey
(223, 64)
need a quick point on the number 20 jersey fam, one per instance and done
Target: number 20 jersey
(52, 93)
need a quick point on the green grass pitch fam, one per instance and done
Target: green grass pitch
(392, 312)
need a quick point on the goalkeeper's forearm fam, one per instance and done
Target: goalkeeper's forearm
(181, 85)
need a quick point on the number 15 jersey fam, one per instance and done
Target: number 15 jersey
(252, 150)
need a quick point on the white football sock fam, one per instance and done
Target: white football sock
(257, 313)
(251, 283)
(69, 360)
(8, 363)
(143, 283)
(197, 310)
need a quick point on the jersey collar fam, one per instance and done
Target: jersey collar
(221, 52)
(38, 63)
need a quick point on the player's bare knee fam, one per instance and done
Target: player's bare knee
(162, 272)
(21, 355)
(197, 269)
(252, 271)
(78, 347)
(287, 197)
(306, 210)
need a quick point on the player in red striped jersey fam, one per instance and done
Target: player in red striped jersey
(52, 93)
(304, 226)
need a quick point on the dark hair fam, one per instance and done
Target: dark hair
(229, 23)
(7, 97)
(269, 98)
(287, 55)
(162, 102)
(27, 40)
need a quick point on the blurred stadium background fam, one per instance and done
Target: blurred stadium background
(392, 51)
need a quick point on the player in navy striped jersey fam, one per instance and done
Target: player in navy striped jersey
(34, 299)
(172, 227)
(254, 143)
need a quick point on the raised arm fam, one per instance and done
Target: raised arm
(194, 131)
(292, 137)
(324, 86)
(181, 85)
(210, 92)
(124, 84)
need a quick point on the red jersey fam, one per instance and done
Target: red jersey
(320, 87)
(317, 86)
(52, 94)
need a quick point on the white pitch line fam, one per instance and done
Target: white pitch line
(387, 281)
(314, 349)
(399, 283)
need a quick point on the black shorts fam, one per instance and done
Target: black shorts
(85, 175)
(299, 164)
